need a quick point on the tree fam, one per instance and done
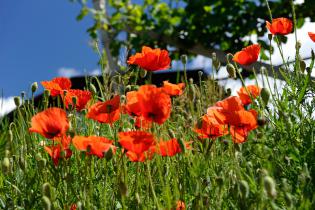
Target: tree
(192, 27)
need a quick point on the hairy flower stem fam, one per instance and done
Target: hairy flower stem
(151, 186)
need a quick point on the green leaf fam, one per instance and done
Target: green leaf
(84, 12)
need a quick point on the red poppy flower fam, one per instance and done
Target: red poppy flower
(94, 145)
(64, 141)
(132, 106)
(134, 157)
(57, 85)
(105, 112)
(282, 26)
(312, 36)
(56, 152)
(151, 59)
(155, 105)
(73, 207)
(136, 141)
(82, 98)
(209, 127)
(50, 123)
(169, 148)
(180, 205)
(173, 89)
(247, 55)
(245, 95)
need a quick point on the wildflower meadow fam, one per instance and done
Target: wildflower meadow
(119, 144)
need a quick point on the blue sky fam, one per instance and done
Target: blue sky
(37, 39)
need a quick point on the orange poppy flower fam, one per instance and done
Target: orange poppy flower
(169, 148)
(180, 205)
(134, 157)
(57, 85)
(64, 141)
(105, 112)
(312, 36)
(173, 89)
(247, 55)
(56, 152)
(132, 106)
(94, 145)
(73, 207)
(209, 127)
(155, 105)
(82, 98)
(136, 141)
(282, 26)
(151, 59)
(253, 90)
(50, 123)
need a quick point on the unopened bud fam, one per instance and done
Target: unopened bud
(74, 101)
(244, 189)
(191, 81)
(93, 89)
(184, 59)
(231, 70)
(46, 203)
(270, 187)
(200, 73)
(46, 190)
(128, 88)
(17, 101)
(46, 93)
(265, 95)
(123, 188)
(23, 94)
(143, 73)
(171, 133)
(270, 37)
(302, 66)
(182, 145)
(298, 45)
(34, 87)
(5, 165)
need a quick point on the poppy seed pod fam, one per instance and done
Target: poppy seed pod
(34, 87)
(17, 101)
(265, 95)
(231, 70)
(46, 203)
(270, 187)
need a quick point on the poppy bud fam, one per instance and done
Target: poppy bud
(74, 100)
(231, 70)
(109, 154)
(7, 153)
(244, 189)
(123, 188)
(46, 190)
(34, 87)
(200, 73)
(22, 163)
(228, 92)
(298, 45)
(23, 94)
(46, 93)
(270, 37)
(214, 56)
(143, 73)
(17, 101)
(93, 89)
(79, 205)
(265, 95)
(182, 145)
(46, 203)
(191, 81)
(184, 59)
(171, 133)
(5, 165)
(261, 121)
(270, 187)
(302, 66)
(288, 199)
(138, 198)
(216, 63)
(128, 88)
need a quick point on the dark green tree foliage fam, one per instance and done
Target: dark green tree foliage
(191, 26)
